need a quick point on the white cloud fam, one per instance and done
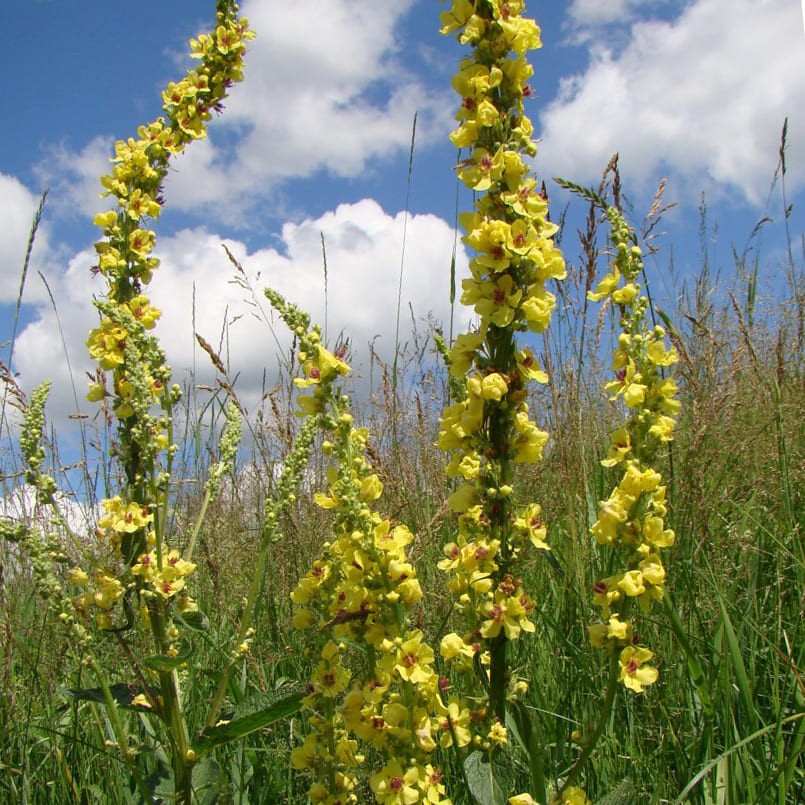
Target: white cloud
(18, 207)
(19, 504)
(594, 12)
(363, 245)
(331, 95)
(74, 177)
(704, 95)
(327, 88)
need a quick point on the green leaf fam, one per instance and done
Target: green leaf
(695, 671)
(284, 703)
(122, 693)
(197, 621)
(209, 782)
(741, 676)
(482, 780)
(585, 192)
(164, 662)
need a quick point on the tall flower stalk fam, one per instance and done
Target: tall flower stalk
(374, 696)
(141, 581)
(631, 520)
(489, 430)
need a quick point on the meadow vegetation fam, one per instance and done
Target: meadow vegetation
(363, 599)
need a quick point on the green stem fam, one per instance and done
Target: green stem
(497, 677)
(120, 732)
(180, 740)
(191, 544)
(256, 584)
(173, 715)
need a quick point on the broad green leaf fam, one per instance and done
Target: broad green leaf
(482, 781)
(164, 662)
(197, 621)
(122, 693)
(208, 782)
(282, 706)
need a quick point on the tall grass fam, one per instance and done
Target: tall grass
(725, 723)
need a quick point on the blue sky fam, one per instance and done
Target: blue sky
(315, 142)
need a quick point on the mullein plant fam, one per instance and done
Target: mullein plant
(142, 580)
(631, 521)
(489, 430)
(373, 698)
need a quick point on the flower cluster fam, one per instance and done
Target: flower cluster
(133, 376)
(569, 796)
(488, 429)
(360, 592)
(631, 519)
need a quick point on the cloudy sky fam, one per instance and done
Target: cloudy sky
(314, 146)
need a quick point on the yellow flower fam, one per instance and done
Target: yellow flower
(468, 466)
(106, 344)
(371, 488)
(607, 285)
(122, 517)
(634, 673)
(393, 786)
(606, 592)
(509, 613)
(495, 300)
(463, 353)
(414, 659)
(77, 576)
(530, 439)
(620, 446)
(498, 734)
(494, 387)
(529, 367)
(106, 220)
(139, 204)
(463, 498)
(625, 295)
(574, 796)
(141, 242)
(108, 592)
(456, 723)
(481, 169)
(533, 525)
(144, 311)
(537, 307)
(330, 678)
(309, 755)
(656, 534)
(141, 700)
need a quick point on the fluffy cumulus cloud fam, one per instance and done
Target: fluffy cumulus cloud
(198, 288)
(74, 177)
(584, 14)
(702, 96)
(325, 89)
(18, 207)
